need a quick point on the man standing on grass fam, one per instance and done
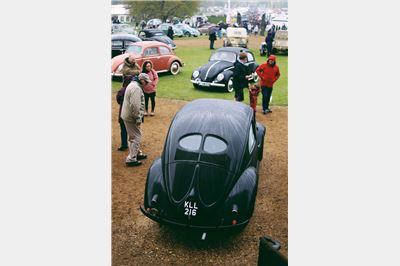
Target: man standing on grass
(132, 113)
(240, 77)
(269, 73)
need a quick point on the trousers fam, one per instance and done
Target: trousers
(134, 137)
(266, 96)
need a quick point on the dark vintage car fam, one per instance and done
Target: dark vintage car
(207, 175)
(119, 43)
(156, 35)
(218, 72)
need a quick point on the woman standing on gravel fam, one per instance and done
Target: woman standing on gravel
(150, 88)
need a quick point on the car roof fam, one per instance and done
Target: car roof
(152, 30)
(226, 119)
(124, 37)
(150, 43)
(235, 50)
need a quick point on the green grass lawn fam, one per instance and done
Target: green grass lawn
(180, 87)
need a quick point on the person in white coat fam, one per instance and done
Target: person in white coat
(132, 113)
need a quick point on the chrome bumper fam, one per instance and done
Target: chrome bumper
(207, 84)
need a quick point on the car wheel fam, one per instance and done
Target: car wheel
(187, 34)
(229, 85)
(174, 68)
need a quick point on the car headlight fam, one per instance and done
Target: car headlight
(220, 77)
(196, 74)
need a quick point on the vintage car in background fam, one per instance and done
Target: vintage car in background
(187, 30)
(160, 54)
(236, 37)
(153, 23)
(207, 175)
(156, 35)
(119, 43)
(122, 28)
(204, 29)
(164, 27)
(218, 72)
(280, 43)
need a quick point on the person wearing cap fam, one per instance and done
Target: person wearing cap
(132, 114)
(129, 69)
(269, 73)
(240, 76)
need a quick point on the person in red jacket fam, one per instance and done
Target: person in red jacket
(269, 74)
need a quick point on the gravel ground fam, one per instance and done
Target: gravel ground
(137, 240)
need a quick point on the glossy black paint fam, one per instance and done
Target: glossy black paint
(211, 183)
(151, 35)
(210, 70)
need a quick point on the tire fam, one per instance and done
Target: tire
(229, 85)
(174, 68)
(187, 34)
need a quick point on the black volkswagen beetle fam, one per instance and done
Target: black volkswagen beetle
(156, 35)
(207, 175)
(120, 42)
(219, 69)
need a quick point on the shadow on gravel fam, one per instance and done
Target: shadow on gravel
(192, 239)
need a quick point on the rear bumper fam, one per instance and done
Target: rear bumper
(162, 220)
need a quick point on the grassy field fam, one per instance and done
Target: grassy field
(180, 87)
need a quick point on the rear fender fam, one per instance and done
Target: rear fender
(155, 184)
(261, 130)
(242, 194)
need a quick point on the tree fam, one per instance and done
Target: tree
(162, 9)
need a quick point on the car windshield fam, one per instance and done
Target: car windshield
(134, 49)
(224, 56)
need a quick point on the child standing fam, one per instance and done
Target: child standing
(254, 90)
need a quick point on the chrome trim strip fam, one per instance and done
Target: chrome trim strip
(210, 69)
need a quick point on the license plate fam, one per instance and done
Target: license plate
(190, 208)
(205, 84)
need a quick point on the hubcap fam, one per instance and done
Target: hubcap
(174, 68)
(230, 85)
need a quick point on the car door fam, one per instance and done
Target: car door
(165, 55)
(152, 54)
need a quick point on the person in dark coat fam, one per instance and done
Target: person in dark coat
(170, 32)
(212, 37)
(239, 19)
(240, 77)
(269, 40)
(124, 134)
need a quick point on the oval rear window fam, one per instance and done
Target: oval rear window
(191, 142)
(214, 145)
